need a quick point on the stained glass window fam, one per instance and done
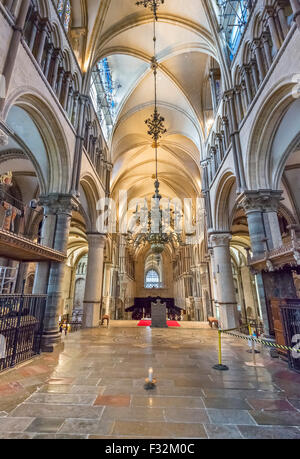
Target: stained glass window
(64, 11)
(152, 279)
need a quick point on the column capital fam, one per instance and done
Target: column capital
(45, 25)
(96, 240)
(238, 89)
(228, 95)
(59, 203)
(256, 43)
(261, 200)
(266, 36)
(269, 11)
(219, 238)
(246, 68)
(225, 120)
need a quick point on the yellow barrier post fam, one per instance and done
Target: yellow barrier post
(253, 350)
(220, 366)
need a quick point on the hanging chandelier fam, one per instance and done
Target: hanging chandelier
(157, 234)
(152, 4)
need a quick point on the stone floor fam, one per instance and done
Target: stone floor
(92, 387)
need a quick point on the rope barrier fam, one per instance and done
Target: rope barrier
(259, 340)
(249, 338)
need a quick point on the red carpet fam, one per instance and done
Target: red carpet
(147, 323)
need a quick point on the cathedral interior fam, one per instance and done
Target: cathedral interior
(149, 218)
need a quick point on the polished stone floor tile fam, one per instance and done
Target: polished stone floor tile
(81, 426)
(268, 433)
(45, 436)
(159, 430)
(62, 399)
(54, 411)
(295, 403)
(45, 425)
(216, 432)
(55, 395)
(86, 390)
(110, 400)
(136, 413)
(230, 417)
(226, 403)
(271, 405)
(13, 425)
(186, 415)
(168, 402)
(55, 389)
(279, 418)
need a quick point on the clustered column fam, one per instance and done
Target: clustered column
(94, 280)
(225, 289)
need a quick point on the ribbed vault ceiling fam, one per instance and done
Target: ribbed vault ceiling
(123, 33)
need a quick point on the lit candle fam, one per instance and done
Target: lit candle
(150, 375)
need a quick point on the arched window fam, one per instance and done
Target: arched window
(152, 279)
(64, 11)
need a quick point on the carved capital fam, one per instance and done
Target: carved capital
(220, 239)
(261, 201)
(59, 203)
(96, 240)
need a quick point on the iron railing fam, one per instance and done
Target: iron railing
(21, 328)
(290, 314)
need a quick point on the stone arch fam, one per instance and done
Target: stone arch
(270, 144)
(92, 196)
(52, 146)
(222, 205)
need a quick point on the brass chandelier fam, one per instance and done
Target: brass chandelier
(156, 235)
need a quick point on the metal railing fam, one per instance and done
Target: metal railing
(21, 328)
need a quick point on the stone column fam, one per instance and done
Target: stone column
(205, 190)
(70, 102)
(68, 78)
(267, 48)
(83, 100)
(42, 40)
(273, 29)
(47, 239)
(219, 138)
(35, 22)
(14, 46)
(62, 206)
(49, 49)
(94, 279)
(212, 80)
(214, 166)
(75, 108)
(60, 78)
(254, 74)
(240, 109)
(226, 296)
(261, 209)
(295, 4)
(236, 143)
(259, 58)
(281, 4)
(57, 58)
(225, 123)
(246, 72)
